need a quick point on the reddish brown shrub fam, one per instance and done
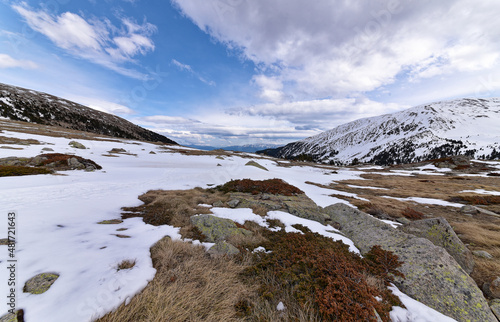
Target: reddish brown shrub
(477, 200)
(412, 214)
(324, 272)
(271, 186)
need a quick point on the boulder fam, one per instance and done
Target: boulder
(223, 248)
(432, 276)
(76, 145)
(440, 233)
(217, 229)
(468, 209)
(40, 283)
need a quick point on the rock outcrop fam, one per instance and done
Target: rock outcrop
(40, 283)
(217, 229)
(432, 276)
(440, 233)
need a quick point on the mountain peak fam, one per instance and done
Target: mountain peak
(462, 126)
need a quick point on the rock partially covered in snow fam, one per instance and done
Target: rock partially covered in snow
(432, 276)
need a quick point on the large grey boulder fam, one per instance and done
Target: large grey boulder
(40, 283)
(432, 276)
(217, 229)
(440, 233)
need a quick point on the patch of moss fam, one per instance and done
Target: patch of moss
(16, 170)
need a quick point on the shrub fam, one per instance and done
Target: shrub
(412, 213)
(271, 186)
(17, 170)
(316, 269)
(476, 200)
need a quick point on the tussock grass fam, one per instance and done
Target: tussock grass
(188, 286)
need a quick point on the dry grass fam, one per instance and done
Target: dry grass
(174, 207)
(126, 264)
(188, 286)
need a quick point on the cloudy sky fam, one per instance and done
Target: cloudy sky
(226, 72)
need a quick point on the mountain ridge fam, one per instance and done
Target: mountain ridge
(21, 104)
(440, 129)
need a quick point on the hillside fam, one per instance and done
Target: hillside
(21, 104)
(441, 129)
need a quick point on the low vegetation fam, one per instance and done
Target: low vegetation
(17, 170)
(314, 278)
(271, 186)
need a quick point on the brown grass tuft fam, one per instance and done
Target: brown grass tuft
(126, 264)
(412, 214)
(17, 170)
(188, 286)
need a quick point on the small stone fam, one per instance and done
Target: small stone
(219, 165)
(255, 164)
(117, 150)
(281, 306)
(218, 203)
(265, 196)
(223, 248)
(468, 209)
(77, 145)
(47, 149)
(152, 152)
(40, 283)
(233, 203)
(403, 220)
(482, 253)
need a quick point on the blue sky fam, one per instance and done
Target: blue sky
(226, 72)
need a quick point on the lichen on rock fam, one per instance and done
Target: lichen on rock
(217, 229)
(40, 283)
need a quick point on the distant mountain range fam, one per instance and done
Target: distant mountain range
(22, 104)
(441, 129)
(250, 148)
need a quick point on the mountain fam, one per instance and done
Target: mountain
(441, 129)
(250, 148)
(21, 104)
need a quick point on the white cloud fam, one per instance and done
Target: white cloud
(98, 41)
(7, 61)
(103, 105)
(332, 48)
(189, 69)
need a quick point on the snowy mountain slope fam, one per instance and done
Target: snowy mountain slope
(27, 105)
(464, 126)
(58, 216)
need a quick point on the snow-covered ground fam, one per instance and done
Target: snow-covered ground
(57, 218)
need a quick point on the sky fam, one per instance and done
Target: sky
(233, 72)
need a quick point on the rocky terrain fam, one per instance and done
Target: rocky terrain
(22, 104)
(431, 131)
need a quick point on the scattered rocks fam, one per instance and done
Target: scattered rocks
(217, 229)
(255, 164)
(53, 161)
(40, 283)
(432, 276)
(223, 248)
(440, 233)
(76, 145)
(482, 253)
